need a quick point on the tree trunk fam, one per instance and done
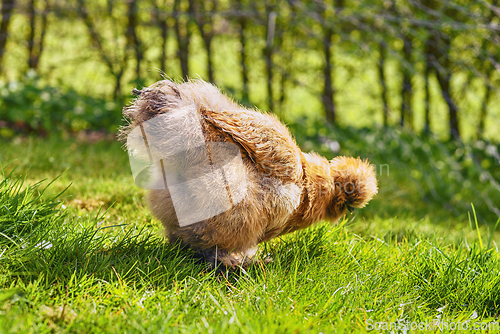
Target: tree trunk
(403, 32)
(444, 82)
(383, 85)
(431, 53)
(484, 110)
(7, 11)
(205, 25)
(441, 63)
(164, 38)
(489, 73)
(284, 60)
(118, 88)
(268, 54)
(35, 46)
(242, 23)
(406, 91)
(243, 59)
(427, 126)
(443, 73)
(116, 67)
(183, 36)
(41, 44)
(328, 96)
(132, 38)
(328, 91)
(204, 22)
(161, 21)
(31, 37)
(208, 46)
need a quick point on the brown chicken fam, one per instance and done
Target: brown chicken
(284, 189)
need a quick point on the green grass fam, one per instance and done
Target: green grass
(93, 258)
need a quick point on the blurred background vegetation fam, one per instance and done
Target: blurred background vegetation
(411, 84)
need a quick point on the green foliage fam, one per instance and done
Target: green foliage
(29, 105)
(451, 175)
(125, 44)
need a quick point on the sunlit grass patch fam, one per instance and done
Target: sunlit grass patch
(94, 259)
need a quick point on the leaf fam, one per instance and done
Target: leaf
(7, 294)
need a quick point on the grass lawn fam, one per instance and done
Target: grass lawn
(94, 260)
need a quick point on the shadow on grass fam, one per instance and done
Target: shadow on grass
(137, 257)
(67, 248)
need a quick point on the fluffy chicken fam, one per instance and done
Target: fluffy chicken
(285, 189)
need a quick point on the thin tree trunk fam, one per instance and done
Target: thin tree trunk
(328, 96)
(183, 36)
(328, 91)
(109, 7)
(118, 88)
(383, 85)
(164, 38)
(484, 110)
(488, 71)
(444, 82)
(427, 125)
(405, 65)
(116, 68)
(268, 54)
(283, 71)
(160, 18)
(31, 37)
(208, 46)
(205, 25)
(243, 59)
(453, 110)
(35, 46)
(406, 91)
(41, 44)
(443, 74)
(439, 63)
(431, 53)
(430, 8)
(132, 38)
(282, 92)
(207, 35)
(7, 11)
(242, 22)
(285, 56)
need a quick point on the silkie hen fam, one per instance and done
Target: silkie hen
(273, 188)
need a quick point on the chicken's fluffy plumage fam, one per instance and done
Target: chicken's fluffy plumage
(287, 190)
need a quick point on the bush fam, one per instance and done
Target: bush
(30, 106)
(448, 174)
